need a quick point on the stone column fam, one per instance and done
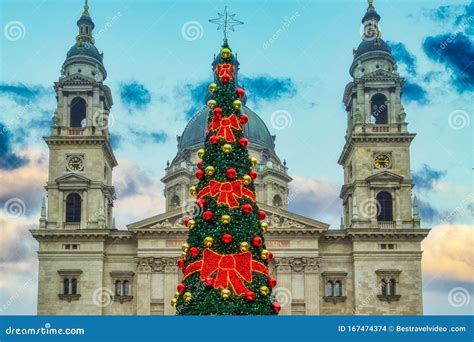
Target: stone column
(398, 220)
(311, 286)
(284, 280)
(373, 219)
(60, 214)
(144, 286)
(170, 282)
(83, 223)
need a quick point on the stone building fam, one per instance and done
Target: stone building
(369, 265)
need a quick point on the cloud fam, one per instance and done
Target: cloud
(413, 92)
(316, 198)
(8, 159)
(402, 55)
(268, 88)
(135, 95)
(22, 94)
(427, 177)
(427, 212)
(448, 252)
(115, 140)
(158, 137)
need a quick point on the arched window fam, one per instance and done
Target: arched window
(384, 206)
(391, 287)
(277, 201)
(66, 286)
(379, 109)
(383, 287)
(330, 288)
(73, 208)
(126, 288)
(118, 288)
(175, 201)
(73, 286)
(338, 288)
(78, 112)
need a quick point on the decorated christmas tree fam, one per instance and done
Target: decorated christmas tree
(224, 261)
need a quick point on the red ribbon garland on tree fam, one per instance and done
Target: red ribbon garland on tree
(224, 126)
(231, 269)
(225, 68)
(228, 192)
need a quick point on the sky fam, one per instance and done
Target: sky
(294, 59)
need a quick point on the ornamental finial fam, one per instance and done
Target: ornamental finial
(86, 8)
(226, 22)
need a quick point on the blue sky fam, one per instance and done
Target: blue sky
(294, 56)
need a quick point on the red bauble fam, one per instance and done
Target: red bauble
(244, 119)
(225, 78)
(193, 252)
(261, 215)
(246, 208)
(227, 238)
(181, 287)
(199, 164)
(243, 142)
(270, 256)
(209, 281)
(272, 282)
(207, 215)
(240, 92)
(276, 307)
(199, 174)
(180, 263)
(257, 241)
(217, 111)
(231, 173)
(214, 139)
(201, 202)
(253, 174)
(250, 296)
(186, 220)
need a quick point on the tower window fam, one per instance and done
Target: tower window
(277, 201)
(379, 109)
(73, 208)
(384, 206)
(118, 288)
(330, 288)
(66, 286)
(338, 288)
(78, 112)
(73, 286)
(175, 201)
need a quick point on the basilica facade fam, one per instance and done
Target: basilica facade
(370, 265)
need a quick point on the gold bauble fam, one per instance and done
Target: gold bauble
(191, 224)
(264, 291)
(212, 88)
(225, 293)
(212, 104)
(183, 254)
(192, 191)
(225, 219)
(264, 254)
(227, 148)
(209, 170)
(187, 296)
(247, 179)
(254, 161)
(184, 247)
(264, 226)
(174, 301)
(208, 241)
(244, 246)
(201, 153)
(237, 104)
(225, 53)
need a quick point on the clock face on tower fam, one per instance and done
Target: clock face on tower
(382, 161)
(75, 162)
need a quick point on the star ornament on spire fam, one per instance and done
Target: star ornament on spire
(226, 22)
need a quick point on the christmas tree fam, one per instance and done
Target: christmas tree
(224, 261)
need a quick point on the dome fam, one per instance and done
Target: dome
(255, 130)
(86, 19)
(372, 45)
(86, 50)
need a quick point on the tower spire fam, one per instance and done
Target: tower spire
(86, 8)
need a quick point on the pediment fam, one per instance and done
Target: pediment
(381, 75)
(77, 79)
(385, 177)
(72, 178)
(277, 218)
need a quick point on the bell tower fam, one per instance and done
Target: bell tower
(79, 187)
(376, 156)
